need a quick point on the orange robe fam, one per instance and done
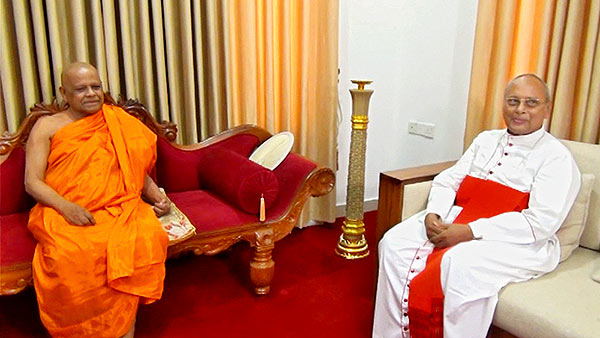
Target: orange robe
(90, 279)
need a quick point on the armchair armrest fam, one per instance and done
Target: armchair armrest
(391, 192)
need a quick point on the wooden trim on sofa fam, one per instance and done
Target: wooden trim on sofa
(391, 192)
(15, 278)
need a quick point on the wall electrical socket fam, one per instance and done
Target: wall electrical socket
(421, 128)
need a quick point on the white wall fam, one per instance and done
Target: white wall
(418, 54)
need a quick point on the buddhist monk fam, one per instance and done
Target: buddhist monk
(101, 249)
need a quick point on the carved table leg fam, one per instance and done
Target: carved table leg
(262, 268)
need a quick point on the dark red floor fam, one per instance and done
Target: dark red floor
(314, 294)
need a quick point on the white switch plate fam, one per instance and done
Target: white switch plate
(421, 128)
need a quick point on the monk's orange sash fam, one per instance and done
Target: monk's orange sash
(479, 199)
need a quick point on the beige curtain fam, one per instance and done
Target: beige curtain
(557, 40)
(167, 54)
(282, 75)
(205, 65)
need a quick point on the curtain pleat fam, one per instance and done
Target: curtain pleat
(560, 124)
(13, 96)
(188, 70)
(145, 58)
(160, 60)
(558, 40)
(98, 44)
(203, 129)
(127, 49)
(545, 38)
(112, 50)
(26, 54)
(592, 119)
(79, 29)
(41, 51)
(575, 71)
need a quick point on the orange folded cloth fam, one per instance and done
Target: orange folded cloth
(90, 279)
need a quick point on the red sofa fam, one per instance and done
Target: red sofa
(212, 182)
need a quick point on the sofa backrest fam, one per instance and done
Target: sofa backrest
(587, 156)
(13, 198)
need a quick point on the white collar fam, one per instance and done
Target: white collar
(529, 140)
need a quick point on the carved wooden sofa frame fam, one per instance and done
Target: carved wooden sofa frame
(260, 235)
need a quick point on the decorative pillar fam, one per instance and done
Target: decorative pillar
(352, 243)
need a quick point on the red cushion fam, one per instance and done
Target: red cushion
(16, 242)
(177, 169)
(208, 212)
(238, 180)
(13, 197)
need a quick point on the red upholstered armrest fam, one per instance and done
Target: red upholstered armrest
(291, 173)
(13, 198)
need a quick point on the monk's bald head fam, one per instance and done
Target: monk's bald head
(82, 88)
(75, 68)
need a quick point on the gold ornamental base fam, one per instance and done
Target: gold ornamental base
(352, 243)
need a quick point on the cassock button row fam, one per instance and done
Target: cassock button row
(405, 300)
(405, 328)
(499, 163)
(491, 172)
(505, 154)
(405, 314)
(412, 270)
(510, 144)
(418, 257)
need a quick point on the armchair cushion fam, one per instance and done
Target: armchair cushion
(570, 231)
(11, 184)
(563, 303)
(596, 271)
(221, 215)
(238, 180)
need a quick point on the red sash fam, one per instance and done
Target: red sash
(479, 199)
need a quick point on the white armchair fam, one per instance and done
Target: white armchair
(563, 303)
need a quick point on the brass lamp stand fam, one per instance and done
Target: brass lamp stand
(352, 243)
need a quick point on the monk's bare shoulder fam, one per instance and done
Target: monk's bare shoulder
(46, 126)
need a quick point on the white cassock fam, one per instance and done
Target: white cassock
(510, 247)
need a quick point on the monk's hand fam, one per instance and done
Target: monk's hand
(161, 207)
(76, 214)
(454, 234)
(434, 225)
